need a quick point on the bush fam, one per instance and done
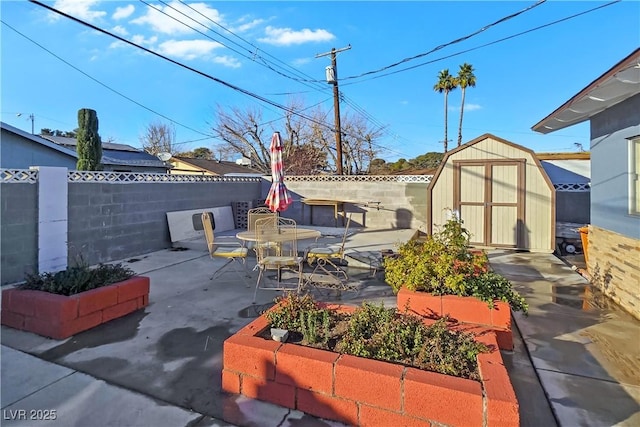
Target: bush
(77, 279)
(375, 332)
(442, 264)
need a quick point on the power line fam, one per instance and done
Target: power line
(488, 44)
(442, 46)
(179, 64)
(105, 85)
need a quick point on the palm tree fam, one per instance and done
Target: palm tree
(465, 79)
(446, 83)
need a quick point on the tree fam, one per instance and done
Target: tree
(89, 145)
(243, 131)
(203, 153)
(465, 79)
(446, 83)
(429, 160)
(305, 160)
(159, 138)
(58, 132)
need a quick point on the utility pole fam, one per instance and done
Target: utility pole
(32, 118)
(332, 78)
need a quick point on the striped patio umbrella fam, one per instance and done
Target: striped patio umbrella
(278, 198)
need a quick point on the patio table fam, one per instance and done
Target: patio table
(338, 205)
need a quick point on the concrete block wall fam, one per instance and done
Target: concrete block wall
(402, 204)
(18, 231)
(113, 221)
(573, 206)
(613, 265)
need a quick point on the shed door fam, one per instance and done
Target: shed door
(488, 195)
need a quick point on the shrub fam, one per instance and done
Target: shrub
(442, 264)
(375, 332)
(78, 278)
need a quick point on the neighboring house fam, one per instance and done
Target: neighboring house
(612, 105)
(21, 150)
(191, 166)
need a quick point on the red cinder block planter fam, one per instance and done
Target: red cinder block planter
(461, 310)
(60, 316)
(363, 392)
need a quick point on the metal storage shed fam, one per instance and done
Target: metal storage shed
(501, 192)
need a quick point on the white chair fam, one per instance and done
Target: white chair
(233, 252)
(282, 257)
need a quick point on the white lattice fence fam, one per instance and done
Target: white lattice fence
(18, 176)
(360, 178)
(136, 177)
(579, 187)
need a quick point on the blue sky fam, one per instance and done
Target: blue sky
(519, 80)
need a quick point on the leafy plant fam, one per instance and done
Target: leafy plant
(443, 265)
(78, 278)
(373, 331)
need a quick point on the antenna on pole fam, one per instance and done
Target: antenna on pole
(331, 72)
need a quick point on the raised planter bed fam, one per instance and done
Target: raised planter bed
(364, 392)
(461, 310)
(60, 316)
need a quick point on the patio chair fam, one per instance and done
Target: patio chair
(330, 254)
(327, 262)
(282, 257)
(257, 213)
(233, 252)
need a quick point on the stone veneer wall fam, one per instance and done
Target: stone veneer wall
(614, 268)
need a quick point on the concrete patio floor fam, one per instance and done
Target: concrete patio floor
(162, 366)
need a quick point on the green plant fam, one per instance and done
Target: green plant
(375, 332)
(89, 145)
(78, 278)
(443, 265)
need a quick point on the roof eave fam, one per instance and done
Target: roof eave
(620, 82)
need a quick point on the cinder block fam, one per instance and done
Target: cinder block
(432, 396)
(251, 356)
(502, 405)
(371, 416)
(119, 310)
(305, 368)
(11, 319)
(96, 299)
(230, 382)
(328, 407)
(262, 389)
(369, 381)
(132, 288)
(54, 307)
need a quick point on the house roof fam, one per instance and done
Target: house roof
(620, 82)
(113, 154)
(38, 140)
(218, 167)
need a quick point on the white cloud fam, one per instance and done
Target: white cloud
(141, 40)
(123, 12)
(79, 9)
(467, 107)
(188, 49)
(117, 44)
(120, 30)
(227, 61)
(249, 25)
(287, 36)
(162, 23)
(300, 61)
